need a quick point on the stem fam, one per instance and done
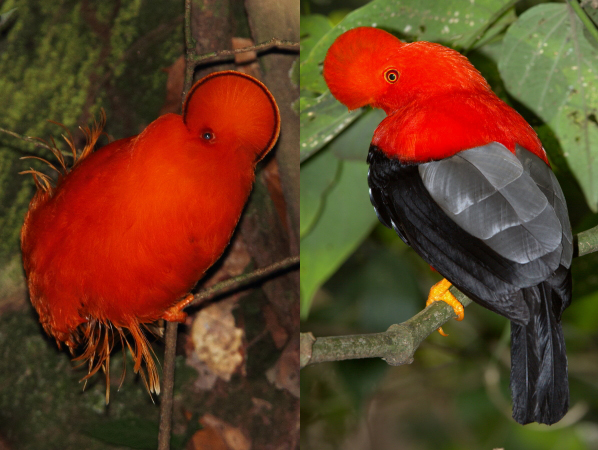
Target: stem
(225, 54)
(189, 51)
(167, 389)
(193, 60)
(480, 34)
(235, 283)
(587, 22)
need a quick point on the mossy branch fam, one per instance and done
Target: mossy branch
(398, 344)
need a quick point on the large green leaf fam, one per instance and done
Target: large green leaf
(354, 142)
(344, 222)
(317, 177)
(549, 66)
(321, 119)
(313, 27)
(455, 22)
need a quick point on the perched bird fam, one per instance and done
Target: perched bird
(126, 233)
(464, 180)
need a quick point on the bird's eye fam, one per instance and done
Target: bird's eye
(391, 75)
(207, 135)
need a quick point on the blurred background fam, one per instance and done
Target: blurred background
(358, 277)
(237, 386)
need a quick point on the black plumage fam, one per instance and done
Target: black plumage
(494, 224)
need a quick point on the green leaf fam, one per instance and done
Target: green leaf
(317, 176)
(454, 22)
(550, 67)
(321, 119)
(354, 142)
(345, 221)
(312, 28)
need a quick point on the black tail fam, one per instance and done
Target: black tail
(539, 384)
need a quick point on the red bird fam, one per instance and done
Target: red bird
(464, 180)
(128, 231)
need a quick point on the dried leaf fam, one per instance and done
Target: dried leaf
(246, 62)
(207, 439)
(235, 439)
(245, 57)
(217, 341)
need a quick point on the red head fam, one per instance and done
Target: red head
(436, 101)
(368, 66)
(234, 109)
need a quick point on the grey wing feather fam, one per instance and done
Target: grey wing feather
(511, 202)
(549, 185)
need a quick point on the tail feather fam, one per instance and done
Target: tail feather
(539, 382)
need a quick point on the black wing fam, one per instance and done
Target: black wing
(489, 221)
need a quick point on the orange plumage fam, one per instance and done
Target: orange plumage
(129, 230)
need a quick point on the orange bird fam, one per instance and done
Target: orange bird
(126, 233)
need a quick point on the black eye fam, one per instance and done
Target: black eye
(207, 135)
(391, 75)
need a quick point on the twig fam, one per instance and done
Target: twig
(189, 50)
(235, 283)
(587, 22)
(398, 344)
(225, 54)
(193, 60)
(167, 389)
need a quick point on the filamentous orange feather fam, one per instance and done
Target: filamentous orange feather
(129, 229)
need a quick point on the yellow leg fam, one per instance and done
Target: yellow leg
(175, 313)
(440, 292)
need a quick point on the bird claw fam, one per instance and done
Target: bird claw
(175, 313)
(440, 292)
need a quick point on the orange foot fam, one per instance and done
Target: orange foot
(175, 313)
(440, 292)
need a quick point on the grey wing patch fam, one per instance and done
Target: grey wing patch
(488, 193)
(544, 177)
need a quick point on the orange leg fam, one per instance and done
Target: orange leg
(440, 292)
(175, 313)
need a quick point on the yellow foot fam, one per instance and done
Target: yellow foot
(440, 292)
(175, 313)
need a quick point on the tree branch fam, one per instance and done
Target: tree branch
(167, 389)
(398, 344)
(193, 60)
(241, 281)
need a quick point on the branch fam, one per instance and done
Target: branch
(193, 60)
(242, 281)
(167, 389)
(398, 344)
